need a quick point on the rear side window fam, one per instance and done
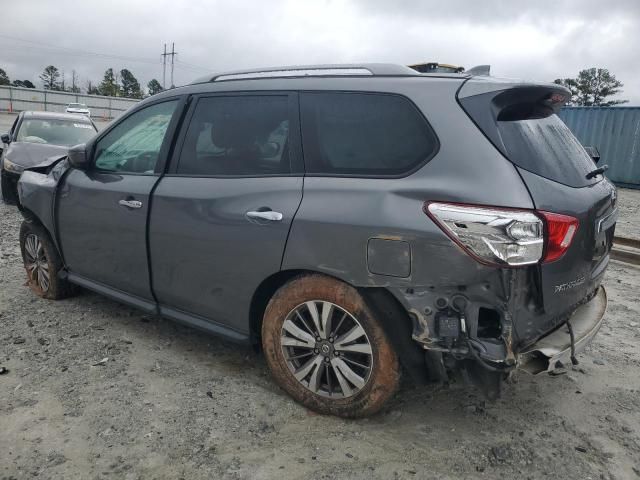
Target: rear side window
(521, 123)
(363, 134)
(237, 135)
(546, 146)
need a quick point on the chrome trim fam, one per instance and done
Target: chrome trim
(608, 221)
(268, 215)
(296, 72)
(130, 203)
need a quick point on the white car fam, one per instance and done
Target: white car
(78, 108)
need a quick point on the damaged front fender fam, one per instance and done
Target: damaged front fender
(37, 190)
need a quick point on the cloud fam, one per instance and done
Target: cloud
(535, 40)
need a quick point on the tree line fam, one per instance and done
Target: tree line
(114, 83)
(592, 86)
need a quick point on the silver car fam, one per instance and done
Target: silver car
(355, 221)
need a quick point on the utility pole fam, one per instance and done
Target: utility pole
(173, 54)
(164, 67)
(73, 81)
(164, 55)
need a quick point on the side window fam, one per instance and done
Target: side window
(237, 135)
(363, 134)
(133, 145)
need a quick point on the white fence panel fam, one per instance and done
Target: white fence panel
(16, 99)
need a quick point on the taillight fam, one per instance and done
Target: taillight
(504, 236)
(560, 231)
(492, 235)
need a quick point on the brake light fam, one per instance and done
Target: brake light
(492, 235)
(560, 231)
(505, 236)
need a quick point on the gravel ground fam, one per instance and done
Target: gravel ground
(629, 218)
(96, 390)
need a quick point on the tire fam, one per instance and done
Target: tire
(42, 274)
(352, 337)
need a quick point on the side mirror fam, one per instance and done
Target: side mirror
(78, 157)
(6, 138)
(593, 153)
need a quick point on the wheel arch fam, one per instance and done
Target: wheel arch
(394, 318)
(30, 216)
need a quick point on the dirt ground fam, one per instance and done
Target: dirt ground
(628, 225)
(96, 390)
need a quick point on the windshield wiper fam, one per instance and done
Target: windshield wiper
(597, 171)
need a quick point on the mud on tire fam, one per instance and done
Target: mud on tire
(383, 375)
(42, 262)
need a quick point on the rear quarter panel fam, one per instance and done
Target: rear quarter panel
(338, 216)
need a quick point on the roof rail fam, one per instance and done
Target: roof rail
(297, 71)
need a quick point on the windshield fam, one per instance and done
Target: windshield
(56, 132)
(77, 105)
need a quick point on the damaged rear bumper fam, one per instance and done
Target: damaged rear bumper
(554, 348)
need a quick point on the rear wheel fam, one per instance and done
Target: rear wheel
(327, 349)
(42, 262)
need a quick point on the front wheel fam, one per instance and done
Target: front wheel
(326, 348)
(42, 262)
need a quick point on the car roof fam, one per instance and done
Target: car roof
(56, 116)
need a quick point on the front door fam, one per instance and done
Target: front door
(221, 217)
(102, 212)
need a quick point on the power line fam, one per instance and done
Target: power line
(75, 51)
(48, 48)
(192, 66)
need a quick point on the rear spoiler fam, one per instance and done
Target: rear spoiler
(488, 101)
(479, 70)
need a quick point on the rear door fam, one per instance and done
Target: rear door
(522, 124)
(221, 216)
(102, 212)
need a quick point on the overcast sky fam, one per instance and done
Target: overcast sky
(541, 39)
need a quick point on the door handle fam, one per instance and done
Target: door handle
(130, 203)
(268, 215)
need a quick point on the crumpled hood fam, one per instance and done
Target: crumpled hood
(30, 154)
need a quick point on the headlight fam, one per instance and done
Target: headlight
(9, 166)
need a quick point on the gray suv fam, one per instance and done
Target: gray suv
(355, 221)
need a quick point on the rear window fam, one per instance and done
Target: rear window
(362, 134)
(55, 131)
(546, 147)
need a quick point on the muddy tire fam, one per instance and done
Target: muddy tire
(326, 348)
(42, 262)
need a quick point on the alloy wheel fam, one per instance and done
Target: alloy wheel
(36, 262)
(326, 349)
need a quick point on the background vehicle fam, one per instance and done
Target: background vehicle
(333, 215)
(35, 136)
(80, 108)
